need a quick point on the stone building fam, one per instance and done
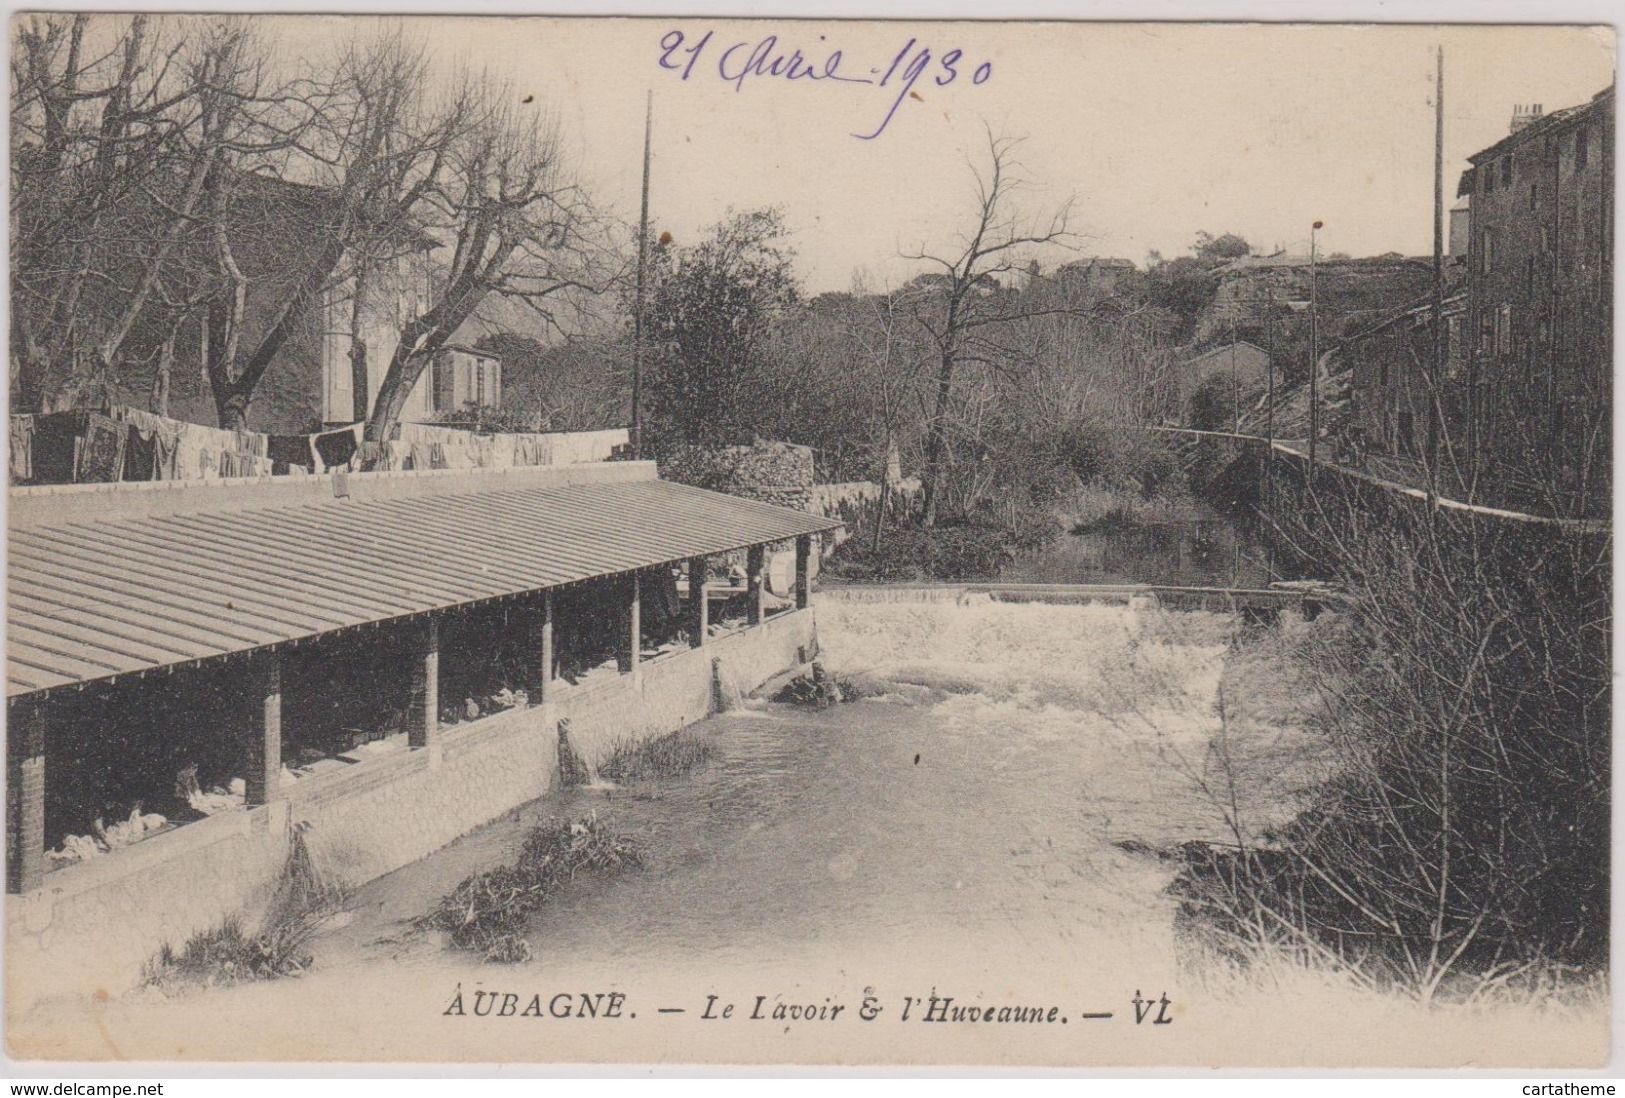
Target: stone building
(1389, 370)
(1540, 300)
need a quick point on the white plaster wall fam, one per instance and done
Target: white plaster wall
(91, 927)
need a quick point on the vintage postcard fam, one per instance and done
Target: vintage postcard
(693, 540)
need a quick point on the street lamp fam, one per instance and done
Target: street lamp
(1314, 345)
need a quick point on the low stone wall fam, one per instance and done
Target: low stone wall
(92, 926)
(772, 472)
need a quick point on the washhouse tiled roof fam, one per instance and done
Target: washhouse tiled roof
(92, 599)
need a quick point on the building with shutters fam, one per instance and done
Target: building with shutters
(1539, 309)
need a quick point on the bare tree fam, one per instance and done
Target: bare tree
(362, 151)
(115, 124)
(504, 218)
(970, 304)
(1462, 846)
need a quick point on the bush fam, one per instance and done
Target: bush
(486, 914)
(1464, 844)
(1119, 457)
(1213, 405)
(1086, 449)
(669, 756)
(952, 550)
(229, 954)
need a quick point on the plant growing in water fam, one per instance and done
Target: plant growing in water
(487, 912)
(229, 954)
(669, 756)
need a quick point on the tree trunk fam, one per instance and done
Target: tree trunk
(233, 413)
(403, 374)
(31, 375)
(934, 440)
(880, 513)
(160, 377)
(359, 396)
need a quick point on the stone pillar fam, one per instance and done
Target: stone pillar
(754, 584)
(423, 725)
(803, 571)
(699, 614)
(25, 794)
(631, 628)
(544, 652)
(264, 778)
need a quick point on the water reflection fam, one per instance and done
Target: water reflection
(1208, 551)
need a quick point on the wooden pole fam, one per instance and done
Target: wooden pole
(753, 585)
(1436, 367)
(1314, 351)
(264, 777)
(544, 651)
(427, 687)
(25, 794)
(803, 571)
(643, 263)
(698, 611)
(631, 647)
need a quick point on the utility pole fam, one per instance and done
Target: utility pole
(1268, 492)
(1269, 371)
(1314, 348)
(643, 265)
(1235, 378)
(1436, 373)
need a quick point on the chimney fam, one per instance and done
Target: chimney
(1523, 114)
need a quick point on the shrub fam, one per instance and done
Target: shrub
(1464, 843)
(952, 550)
(1213, 405)
(669, 756)
(229, 954)
(486, 914)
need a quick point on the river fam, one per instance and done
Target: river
(1207, 549)
(983, 826)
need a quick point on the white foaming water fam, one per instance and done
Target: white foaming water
(967, 831)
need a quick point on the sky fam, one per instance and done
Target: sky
(1153, 131)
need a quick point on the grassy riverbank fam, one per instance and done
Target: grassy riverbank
(1458, 847)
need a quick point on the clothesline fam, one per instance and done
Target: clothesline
(128, 444)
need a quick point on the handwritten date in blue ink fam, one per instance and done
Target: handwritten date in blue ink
(742, 63)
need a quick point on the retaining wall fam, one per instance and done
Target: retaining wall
(92, 926)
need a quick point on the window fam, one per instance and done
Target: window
(488, 383)
(1486, 252)
(445, 383)
(1534, 196)
(1506, 171)
(1580, 149)
(1503, 330)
